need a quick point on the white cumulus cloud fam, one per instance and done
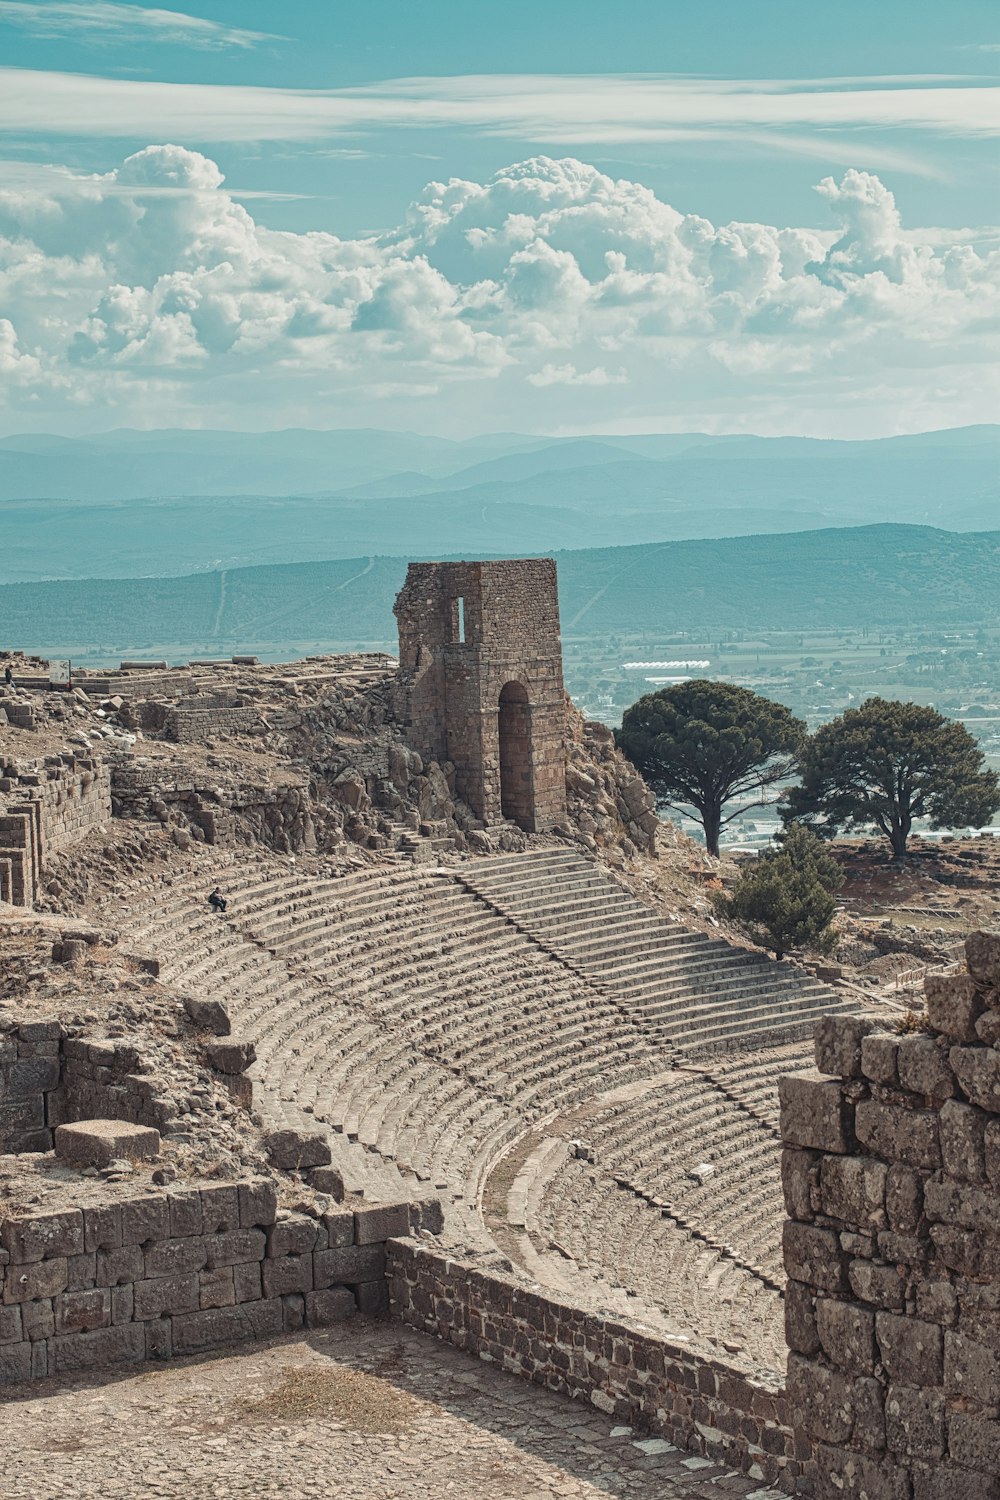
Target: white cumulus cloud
(551, 294)
(105, 21)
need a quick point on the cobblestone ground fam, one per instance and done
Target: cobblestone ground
(363, 1412)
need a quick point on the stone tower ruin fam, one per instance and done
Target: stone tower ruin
(481, 659)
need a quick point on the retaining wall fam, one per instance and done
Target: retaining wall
(737, 1416)
(30, 1075)
(44, 807)
(181, 1271)
(891, 1172)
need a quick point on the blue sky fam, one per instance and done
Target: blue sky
(295, 275)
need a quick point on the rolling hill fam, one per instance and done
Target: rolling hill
(862, 576)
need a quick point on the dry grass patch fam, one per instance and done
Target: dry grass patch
(359, 1400)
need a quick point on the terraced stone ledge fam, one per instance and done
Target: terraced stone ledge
(179, 1272)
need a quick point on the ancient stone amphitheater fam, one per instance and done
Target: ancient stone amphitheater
(591, 1088)
(553, 1103)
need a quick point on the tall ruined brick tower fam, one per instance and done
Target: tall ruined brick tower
(480, 654)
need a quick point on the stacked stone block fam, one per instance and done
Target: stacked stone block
(109, 1080)
(178, 1272)
(43, 808)
(891, 1171)
(481, 666)
(30, 1097)
(663, 1387)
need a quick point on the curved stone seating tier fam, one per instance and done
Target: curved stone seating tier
(694, 991)
(432, 1019)
(687, 1147)
(673, 1279)
(752, 1079)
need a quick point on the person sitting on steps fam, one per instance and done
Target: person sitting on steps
(217, 900)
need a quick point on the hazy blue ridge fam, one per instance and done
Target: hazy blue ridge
(862, 576)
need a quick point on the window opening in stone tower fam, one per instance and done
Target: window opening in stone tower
(458, 620)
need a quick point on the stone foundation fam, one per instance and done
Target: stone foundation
(179, 1272)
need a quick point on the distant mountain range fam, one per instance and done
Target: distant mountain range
(127, 504)
(864, 576)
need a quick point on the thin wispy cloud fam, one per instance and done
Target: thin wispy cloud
(105, 22)
(565, 111)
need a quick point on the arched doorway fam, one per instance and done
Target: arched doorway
(517, 792)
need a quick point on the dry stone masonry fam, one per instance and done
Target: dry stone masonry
(481, 661)
(46, 805)
(177, 1272)
(891, 1171)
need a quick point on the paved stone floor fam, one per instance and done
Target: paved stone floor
(359, 1412)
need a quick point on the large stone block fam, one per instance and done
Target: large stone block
(220, 1208)
(963, 1140)
(852, 1188)
(332, 1305)
(911, 1349)
(104, 1346)
(954, 1005)
(176, 1257)
(847, 1334)
(166, 1295)
(923, 1067)
(974, 1441)
(258, 1202)
(878, 1058)
(898, 1134)
(982, 954)
(821, 1399)
(962, 1204)
(837, 1044)
(96, 1143)
(235, 1248)
(971, 1369)
(978, 1072)
(223, 1325)
(381, 1222)
(799, 1180)
(904, 1198)
(42, 1235)
(971, 1254)
(295, 1150)
(914, 1422)
(27, 1282)
(843, 1474)
(350, 1265)
(79, 1312)
(877, 1284)
(945, 1482)
(292, 1273)
(295, 1234)
(801, 1333)
(811, 1255)
(814, 1113)
(145, 1219)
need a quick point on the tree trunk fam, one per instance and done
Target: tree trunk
(711, 821)
(897, 839)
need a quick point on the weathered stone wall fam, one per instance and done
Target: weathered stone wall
(891, 1170)
(666, 1389)
(177, 1272)
(30, 1077)
(44, 807)
(278, 816)
(110, 1080)
(195, 724)
(469, 632)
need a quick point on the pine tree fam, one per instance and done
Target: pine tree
(784, 898)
